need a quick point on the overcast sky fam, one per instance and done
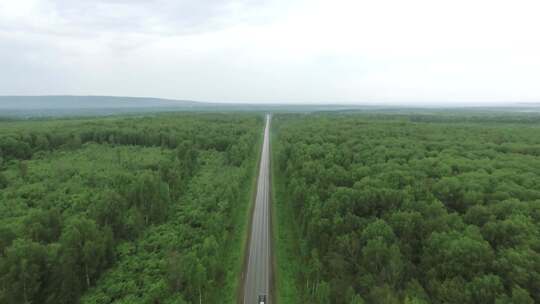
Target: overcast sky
(384, 51)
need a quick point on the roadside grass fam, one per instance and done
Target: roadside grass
(241, 217)
(286, 250)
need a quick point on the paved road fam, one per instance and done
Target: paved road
(258, 271)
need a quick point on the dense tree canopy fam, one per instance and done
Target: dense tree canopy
(124, 209)
(415, 209)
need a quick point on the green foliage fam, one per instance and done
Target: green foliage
(3, 180)
(126, 210)
(85, 252)
(412, 209)
(23, 268)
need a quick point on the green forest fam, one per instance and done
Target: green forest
(407, 208)
(149, 209)
(381, 208)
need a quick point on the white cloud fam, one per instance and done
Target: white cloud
(389, 51)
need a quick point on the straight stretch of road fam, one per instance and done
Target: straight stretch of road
(258, 272)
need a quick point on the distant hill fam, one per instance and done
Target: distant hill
(90, 102)
(69, 105)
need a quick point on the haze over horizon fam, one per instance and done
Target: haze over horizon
(389, 52)
(104, 101)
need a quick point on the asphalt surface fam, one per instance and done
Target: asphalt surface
(258, 272)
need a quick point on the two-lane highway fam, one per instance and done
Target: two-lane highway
(259, 271)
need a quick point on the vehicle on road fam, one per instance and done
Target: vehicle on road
(262, 299)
